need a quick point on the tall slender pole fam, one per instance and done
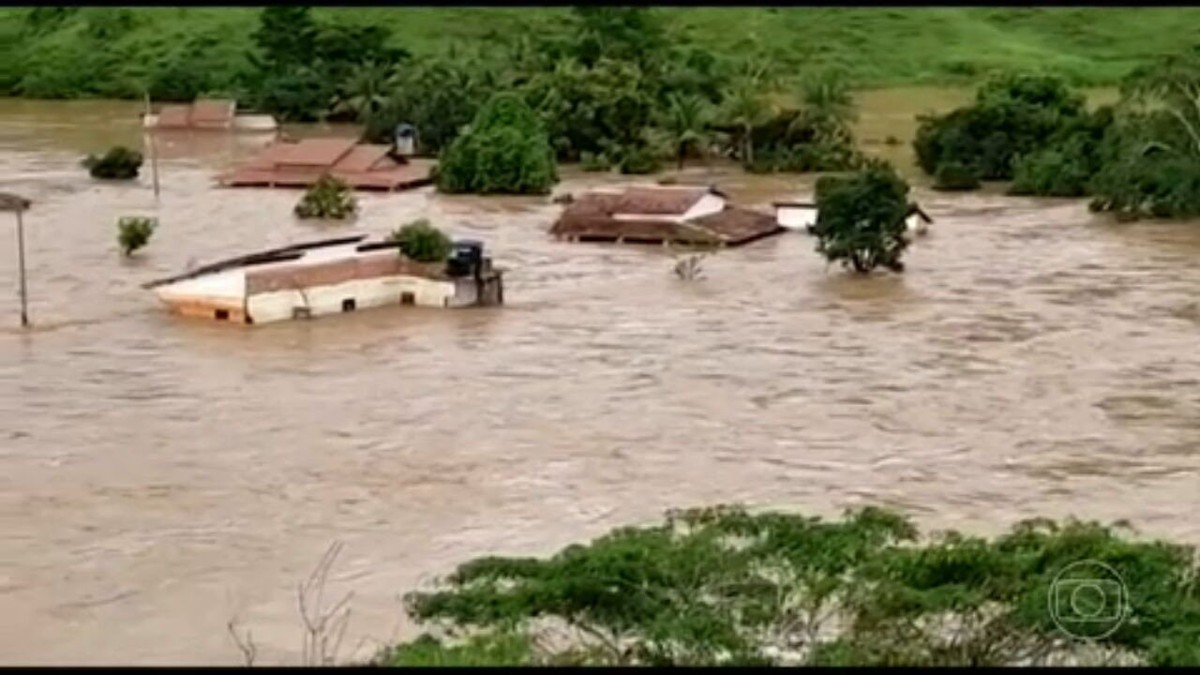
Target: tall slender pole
(153, 150)
(21, 263)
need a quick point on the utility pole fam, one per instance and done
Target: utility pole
(153, 149)
(11, 202)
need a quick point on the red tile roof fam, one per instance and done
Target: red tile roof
(302, 163)
(213, 113)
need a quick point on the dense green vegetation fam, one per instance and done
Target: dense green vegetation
(119, 163)
(503, 151)
(1138, 158)
(423, 242)
(860, 218)
(726, 586)
(328, 198)
(69, 52)
(133, 232)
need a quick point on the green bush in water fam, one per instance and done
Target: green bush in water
(119, 163)
(133, 232)
(423, 242)
(639, 160)
(504, 151)
(594, 162)
(328, 198)
(860, 218)
(1050, 173)
(956, 176)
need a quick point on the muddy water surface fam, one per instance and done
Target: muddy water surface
(159, 477)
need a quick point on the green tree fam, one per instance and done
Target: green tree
(285, 37)
(119, 163)
(134, 232)
(365, 92)
(722, 585)
(505, 150)
(746, 108)
(686, 125)
(861, 218)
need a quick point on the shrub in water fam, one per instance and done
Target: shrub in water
(327, 198)
(423, 242)
(119, 163)
(955, 176)
(133, 232)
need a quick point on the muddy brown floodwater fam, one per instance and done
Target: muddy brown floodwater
(162, 476)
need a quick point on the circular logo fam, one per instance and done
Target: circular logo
(1088, 600)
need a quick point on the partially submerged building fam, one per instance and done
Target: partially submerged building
(331, 276)
(686, 215)
(301, 163)
(207, 115)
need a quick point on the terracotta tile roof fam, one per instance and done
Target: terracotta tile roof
(658, 201)
(322, 152)
(364, 158)
(212, 113)
(737, 225)
(174, 117)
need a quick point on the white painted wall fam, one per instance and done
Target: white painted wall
(367, 293)
(229, 285)
(796, 217)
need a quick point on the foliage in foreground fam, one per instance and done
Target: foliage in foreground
(725, 586)
(328, 198)
(423, 242)
(119, 163)
(861, 218)
(133, 232)
(504, 151)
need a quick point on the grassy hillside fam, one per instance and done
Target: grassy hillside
(110, 51)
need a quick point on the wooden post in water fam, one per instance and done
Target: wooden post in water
(153, 149)
(11, 202)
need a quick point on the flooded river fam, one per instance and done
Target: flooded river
(159, 477)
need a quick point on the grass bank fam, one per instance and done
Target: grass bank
(112, 52)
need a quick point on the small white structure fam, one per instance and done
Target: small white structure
(329, 277)
(796, 215)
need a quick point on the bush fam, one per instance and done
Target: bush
(1012, 115)
(860, 218)
(594, 162)
(119, 163)
(504, 151)
(133, 232)
(956, 176)
(639, 160)
(1050, 173)
(328, 198)
(423, 242)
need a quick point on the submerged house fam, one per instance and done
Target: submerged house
(331, 276)
(800, 215)
(661, 215)
(207, 114)
(301, 163)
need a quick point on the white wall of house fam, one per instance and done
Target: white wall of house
(796, 217)
(366, 293)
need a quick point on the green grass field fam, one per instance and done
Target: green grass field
(878, 46)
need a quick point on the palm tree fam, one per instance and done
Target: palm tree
(686, 124)
(746, 108)
(828, 101)
(366, 90)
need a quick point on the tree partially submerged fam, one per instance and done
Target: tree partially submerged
(720, 586)
(423, 242)
(328, 198)
(504, 151)
(134, 232)
(119, 163)
(861, 218)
